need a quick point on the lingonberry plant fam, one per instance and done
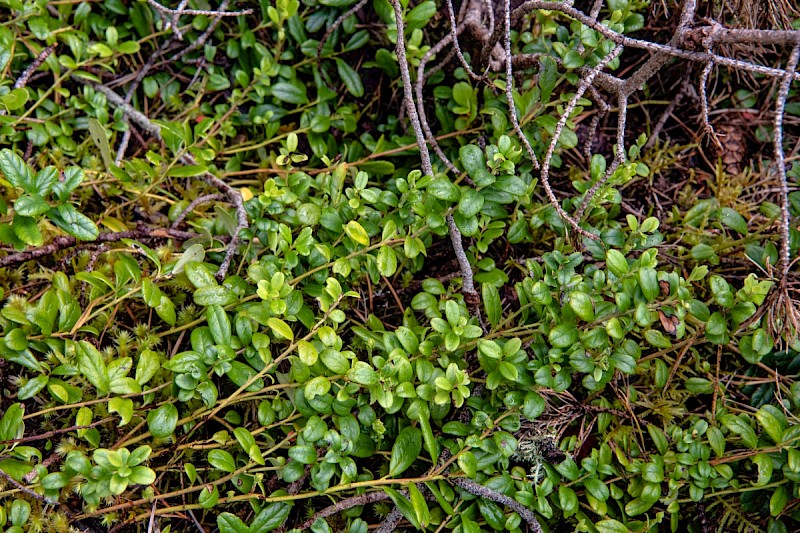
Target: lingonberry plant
(392, 265)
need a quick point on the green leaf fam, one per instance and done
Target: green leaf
(214, 294)
(472, 159)
(563, 335)
(648, 281)
(616, 262)
(14, 99)
(219, 324)
(568, 500)
(73, 176)
(443, 189)
(162, 421)
(11, 425)
(581, 303)
(303, 453)
(547, 77)
(733, 220)
(307, 352)
(147, 366)
(491, 303)
(91, 365)
(32, 387)
(208, 499)
(222, 460)
(27, 230)
(241, 373)
(418, 504)
(76, 224)
(199, 275)
(123, 407)
(280, 328)
(387, 261)
(100, 138)
(470, 203)
(765, 469)
(468, 464)
(289, 92)
(187, 171)
(717, 440)
(228, 523)
(16, 339)
(773, 421)
(350, 78)
(271, 517)
(16, 170)
(741, 428)
(778, 500)
(31, 205)
(195, 253)
(317, 386)
(355, 231)
(404, 505)
(363, 374)
(405, 451)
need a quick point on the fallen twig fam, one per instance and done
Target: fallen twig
(468, 286)
(489, 494)
(233, 195)
(780, 163)
(66, 241)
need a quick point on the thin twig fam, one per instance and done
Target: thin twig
(66, 241)
(201, 40)
(342, 505)
(191, 207)
(490, 494)
(26, 490)
(418, 86)
(780, 163)
(333, 27)
(22, 81)
(584, 85)
(707, 127)
(454, 37)
(187, 159)
(425, 157)
(619, 154)
(629, 42)
(389, 523)
(197, 12)
(512, 108)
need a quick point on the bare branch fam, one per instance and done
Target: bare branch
(63, 242)
(336, 23)
(717, 34)
(454, 38)
(208, 13)
(619, 155)
(191, 207)
(342, 505)
(629, 42)
(201, 40)
(490, 494)
(425, 157)
(780, 162)
(22, 81)
(154, 129)
(418, 86)
(707, 127)
(512, 108)
(19, 486)
(389, 524)
(585, 83)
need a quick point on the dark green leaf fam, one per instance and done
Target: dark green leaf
(405, 450)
